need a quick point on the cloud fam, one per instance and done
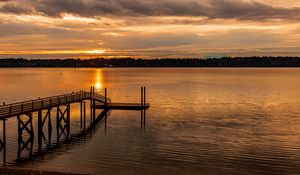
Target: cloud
(149, 28)
(15, 8)
(211, 9)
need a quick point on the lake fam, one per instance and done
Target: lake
(201, 121)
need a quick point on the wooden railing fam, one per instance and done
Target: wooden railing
(19, 108)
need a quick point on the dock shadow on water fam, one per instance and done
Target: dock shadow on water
(44, 125)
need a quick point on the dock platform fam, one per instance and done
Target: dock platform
(123, 106)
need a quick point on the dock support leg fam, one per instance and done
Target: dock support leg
(68, 120)
(81, 115)
(63, 122)
(41, 123)
(105, 120)
(142, 96)
(49, 128)
(57, 124)
(142, 119)
(40, 130)
(91, 114)
(94, 107)
(105, 97)
(94, 111)
(144, 111)
(28, 127)
(3, 141)
(91, 105)
(84, 116)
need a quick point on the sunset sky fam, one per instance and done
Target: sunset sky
(148, 28)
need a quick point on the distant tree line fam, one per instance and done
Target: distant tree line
(163, 62)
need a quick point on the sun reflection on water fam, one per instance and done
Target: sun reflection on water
(99, 80)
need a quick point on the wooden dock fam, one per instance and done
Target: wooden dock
(24, 113)
(25, 107)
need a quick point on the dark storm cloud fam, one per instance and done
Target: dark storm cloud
(212, 9)
(15, 8)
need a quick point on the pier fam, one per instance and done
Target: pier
(41, 110)
(125, 106)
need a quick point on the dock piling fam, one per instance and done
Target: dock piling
(40, 130)
(68, 124)
(105, 96)
(41, 123)
(81, 114)
(3, 141)
(144, 95)
(84, 116)
(94, 108)
(142, 119)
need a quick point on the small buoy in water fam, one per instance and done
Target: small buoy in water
(60, 73)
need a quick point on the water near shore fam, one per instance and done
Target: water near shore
(201, 121)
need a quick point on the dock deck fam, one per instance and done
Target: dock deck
(12, 110)
(123, 106)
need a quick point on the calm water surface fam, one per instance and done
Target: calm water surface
(201, 121)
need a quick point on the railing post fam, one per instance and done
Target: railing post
(50, 101)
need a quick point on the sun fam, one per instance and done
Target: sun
(95, 51)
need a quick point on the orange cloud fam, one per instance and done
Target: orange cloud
(148, 28)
